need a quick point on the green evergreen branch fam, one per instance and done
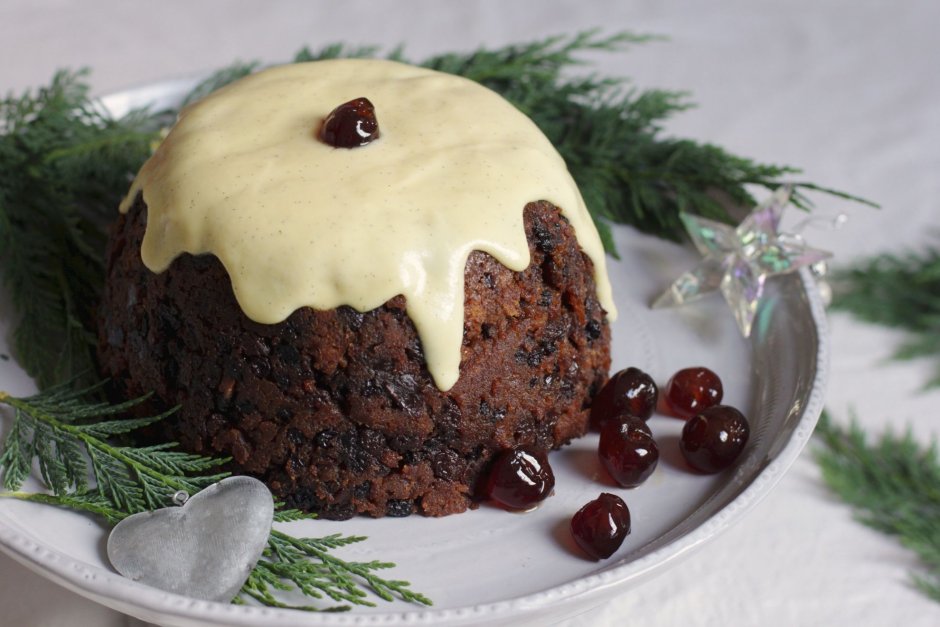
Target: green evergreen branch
(290, 515)
(289, 564)
(65, 164)
(219, 79)
(306, 565)
(609, 134)
(894, 485)
(132, 479)
(897, 291)
(89, 502)
(61, 431)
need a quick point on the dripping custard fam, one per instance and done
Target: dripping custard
(363, 329)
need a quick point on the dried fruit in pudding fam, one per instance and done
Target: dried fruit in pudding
(691, 390)
(630, 391)
(627, 450)
(600, 527)
(519, 478)
(713, 439)
(350, 125)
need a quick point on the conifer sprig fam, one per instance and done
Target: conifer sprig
(892, 482)
(64, 165)
(69, 437)
(901, 291)
(90, 502)
(609, 133)
(894, 485)
(307, 565)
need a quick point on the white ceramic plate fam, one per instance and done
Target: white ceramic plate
(492, 566)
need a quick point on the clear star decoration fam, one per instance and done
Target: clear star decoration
(738, 261)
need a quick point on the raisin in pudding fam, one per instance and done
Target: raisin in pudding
(363, 327)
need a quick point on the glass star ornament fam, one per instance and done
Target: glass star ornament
(738, 261)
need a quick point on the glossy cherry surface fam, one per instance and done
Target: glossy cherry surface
(713, 439)
(630, 391)
(351, 124)
(600, 527)
(627, 450)
(691, 390)
(519, 478)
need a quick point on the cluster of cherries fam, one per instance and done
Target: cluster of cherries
(712, 438)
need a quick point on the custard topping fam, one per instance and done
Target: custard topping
(296, 222)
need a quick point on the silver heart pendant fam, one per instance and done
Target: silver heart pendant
(204, 549)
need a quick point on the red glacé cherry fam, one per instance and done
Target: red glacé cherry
(630, 391)
(600, 527)
(627, 450)
(713, 439)
(351, 124)
(691, 390)
(519, 478)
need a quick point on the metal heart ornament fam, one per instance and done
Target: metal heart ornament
(205, 548)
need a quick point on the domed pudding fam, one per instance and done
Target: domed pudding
(364, 327)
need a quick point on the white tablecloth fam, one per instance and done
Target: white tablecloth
(846, 89)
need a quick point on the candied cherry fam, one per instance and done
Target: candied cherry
(713, 439)
(628, 451)
(691, 390)
(600, 527)
(351, 124)
(630, 391)
(519, 478)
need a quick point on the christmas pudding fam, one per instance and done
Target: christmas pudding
(359, 280)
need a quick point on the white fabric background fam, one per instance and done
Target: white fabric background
(846, 89)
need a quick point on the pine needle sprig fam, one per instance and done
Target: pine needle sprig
(218, 79)
(340, 51)
(240, 69)
(520, 71)
(307, 565)
(609, 134)
(69, 437)
(65, 163)
(64, 166)
(900, 291)
(894, 485)
(89, 502)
